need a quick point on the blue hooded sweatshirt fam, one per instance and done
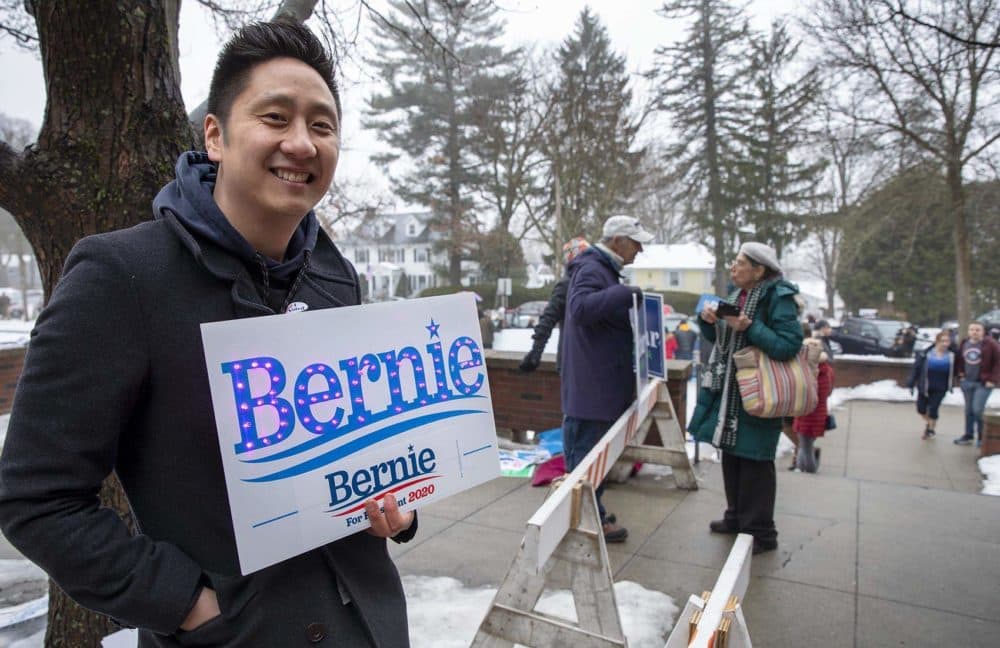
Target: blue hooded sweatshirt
(189, 198)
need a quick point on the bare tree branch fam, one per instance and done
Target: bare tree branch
(898, 10)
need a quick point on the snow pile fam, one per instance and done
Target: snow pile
(519, 340)
(889, 391)
(443, 613)
(15, 333)
(990, 467)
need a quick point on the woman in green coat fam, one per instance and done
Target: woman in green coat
(768, 320)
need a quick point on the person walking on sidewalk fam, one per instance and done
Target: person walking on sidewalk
(598, 383)
(769, 320)
(933, 375)
(978, 369)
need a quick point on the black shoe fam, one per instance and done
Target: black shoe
(762, 546)
(613, 533)
(611, 517)
(723, 526)
(818, 451)
(963, 440)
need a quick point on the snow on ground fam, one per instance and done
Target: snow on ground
(15, 333)
(519, 340)
(889, 391)
(990, 467)
(443, 613)
(880, 358)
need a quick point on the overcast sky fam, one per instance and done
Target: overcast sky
(635, 30)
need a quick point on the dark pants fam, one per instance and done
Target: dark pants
(751, 487)
(928, 404)
(579, 436)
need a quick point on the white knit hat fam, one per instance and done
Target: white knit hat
(762, 254)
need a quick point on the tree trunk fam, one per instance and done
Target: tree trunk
(715, 206)
(963, 262)
(114, 126)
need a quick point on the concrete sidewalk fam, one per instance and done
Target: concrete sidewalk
(888, 545)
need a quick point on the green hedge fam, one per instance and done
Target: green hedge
(488, 292)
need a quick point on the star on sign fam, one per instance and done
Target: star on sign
(433, 329)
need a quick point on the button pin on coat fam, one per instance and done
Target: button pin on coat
(315, 632)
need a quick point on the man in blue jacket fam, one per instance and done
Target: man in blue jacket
(598, 383)
(115, 381)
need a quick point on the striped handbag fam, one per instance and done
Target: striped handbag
(772, 388)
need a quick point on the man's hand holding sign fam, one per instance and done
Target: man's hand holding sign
(385, 517)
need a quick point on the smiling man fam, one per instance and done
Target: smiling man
(115, 380)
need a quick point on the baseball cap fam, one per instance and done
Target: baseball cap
(626, 226)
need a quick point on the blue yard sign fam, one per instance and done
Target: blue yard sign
(654, 335)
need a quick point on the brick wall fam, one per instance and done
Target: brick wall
(991, 433)
(11, 361)
(862, 371)
(531, 401)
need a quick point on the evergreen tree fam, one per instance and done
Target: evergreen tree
(590, 141)
(699, 81)
(777, 183)
(437, 59)
(899, 238)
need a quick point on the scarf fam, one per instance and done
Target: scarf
(720, 373)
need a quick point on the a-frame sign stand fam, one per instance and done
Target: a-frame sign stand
(512, 618)
(566, 531)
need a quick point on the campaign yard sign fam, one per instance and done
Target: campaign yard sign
(653, 304)
(320, 411)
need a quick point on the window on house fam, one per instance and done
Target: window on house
(674, 278)
(420, 255)
(411, 229)
(361, 255)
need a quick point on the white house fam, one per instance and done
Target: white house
(539, 275)
(684, 267)
(388, 247)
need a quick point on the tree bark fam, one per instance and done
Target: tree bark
(114, 125)
(963, 260)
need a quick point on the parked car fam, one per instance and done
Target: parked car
(991, 319)
(526, 315)
(862, 336)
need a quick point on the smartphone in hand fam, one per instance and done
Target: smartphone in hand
(726, 309)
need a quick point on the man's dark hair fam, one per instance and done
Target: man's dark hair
(260, 42)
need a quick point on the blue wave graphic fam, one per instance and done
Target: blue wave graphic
(345, 429)
(360, 444)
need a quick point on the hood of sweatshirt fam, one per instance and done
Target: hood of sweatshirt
(189, 198)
